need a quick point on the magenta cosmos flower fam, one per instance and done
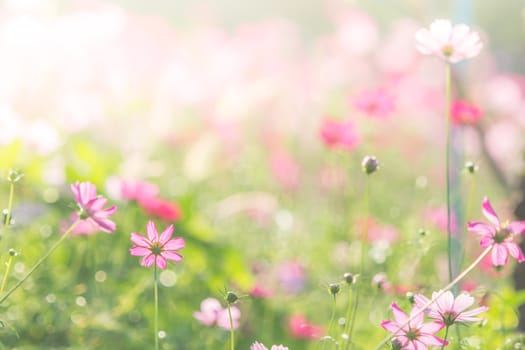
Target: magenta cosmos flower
(156, 249)
(415, 335)
(499, 235)
(91, 207)
(259, 346)
(452, 43)
(464, 113)
(450, 310)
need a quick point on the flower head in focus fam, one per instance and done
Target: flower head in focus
(259, 346)
(156, 248)
(450, 310)
(499, 235)
(91, 207)
(464, 113)
(452, 43)
(415, 335)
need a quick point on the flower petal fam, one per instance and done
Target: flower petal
(431, 327)
(399, 315)
(391, 326)
(166, 235)
(151, 230)
(148, 260)
(515, 251)
(489, 213)
(481, 228)
(161, 262)
(516, 227)
(172, 256)
(174, 244)
(499, 255)
(140, 240)
(139, 251)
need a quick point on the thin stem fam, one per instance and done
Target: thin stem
(232, 336)
(40, 261)
(445, 338)
(332, 318)
(7, 221)
(156, 301)
(438, 294)
(364, 239)
(447, 167)
(347, 316)
(6, 273)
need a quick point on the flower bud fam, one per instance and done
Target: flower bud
(422, 232)
(348, 277)
(396, 345)
(334, 288)
(369, 164)
(14, 176)
(231, 297)
(13, 252)
(410, 297)
(471, 167)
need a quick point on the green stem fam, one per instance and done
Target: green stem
(438, 294)
(40, 261)
(3, 236)
(332, 319)
(364, 240)
(156, 301)
(347, 316)
(6, 273)
(445, 338)
(232, 336)
(447, 168)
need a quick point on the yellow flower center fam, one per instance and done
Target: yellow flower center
(447, 50)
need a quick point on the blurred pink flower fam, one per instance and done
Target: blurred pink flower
(416, 334)
(464, 113)
(212, 312)
(91, 206)
(375, 103)
(450, 310)
(452, 43)
(499, 236)
(284, 169)
(260, 291)
(161, 208)
(291, 276)
(137, 189)
(377, 231)
(339, 134)
(156, 249)
(259, 346)
(300, 327)
(210, 308)
(438, 217)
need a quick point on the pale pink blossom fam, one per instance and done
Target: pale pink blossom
(301, 328)
(155, 248)
(259, 346)
(376, 103)
(499, 235)
(138, 189)
(91, 207)
(450, 310)
(161, 208)
(212, 313)
(415, 335)
(452, 43)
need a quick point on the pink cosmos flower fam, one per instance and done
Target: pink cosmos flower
(161, 208)
(137, 189)
(452, 43)
(156, 249)
(301, 328)
(449, 310)
(212, 312)
(339, 134)
(375, 103)
(91, 207)
(259, 346)
(464, 113)
(499, 236)
(416, 335)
